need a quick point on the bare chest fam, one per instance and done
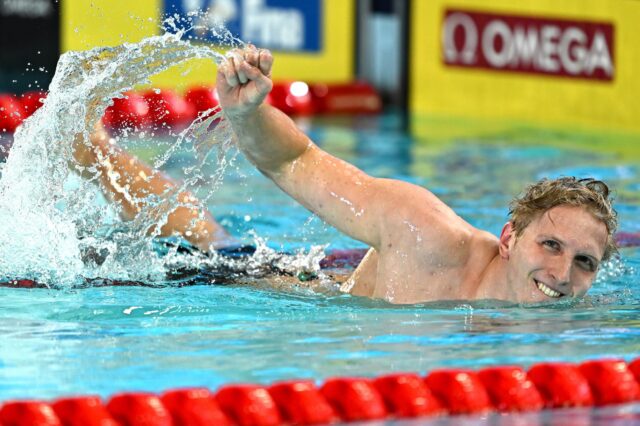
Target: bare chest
(405, 279)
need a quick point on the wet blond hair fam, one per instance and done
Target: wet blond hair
(592, 194)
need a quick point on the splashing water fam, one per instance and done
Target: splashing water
(45, 226)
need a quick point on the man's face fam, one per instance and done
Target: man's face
(557, 256)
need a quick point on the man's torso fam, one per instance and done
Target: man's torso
(425, 271)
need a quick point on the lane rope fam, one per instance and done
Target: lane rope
(442, 392)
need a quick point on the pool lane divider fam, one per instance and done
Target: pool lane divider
(502, 389)
(159, 109)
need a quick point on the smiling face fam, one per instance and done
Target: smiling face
(557, 255)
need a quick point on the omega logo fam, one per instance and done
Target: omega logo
(580, 49)
(467, 55)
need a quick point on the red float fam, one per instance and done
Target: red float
(83, 411)
(406, 395)
(292, 98)
(31, 102)
(10, 113)
(202, 99)
(248, 405)
(354, 399)
(301, 403)
(510, 390)
(130, 112)
(635, 368)
(168, 110)
(22, 284)
(28, 413)
(349, 399)
(561, 385)
(460, 390)
(139, 409)
(194, 407)
(351, 98)
(611, 381)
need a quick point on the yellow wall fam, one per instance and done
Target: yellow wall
(87, 24)
(442, 96)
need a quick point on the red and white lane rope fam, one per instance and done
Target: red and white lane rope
(348, 399)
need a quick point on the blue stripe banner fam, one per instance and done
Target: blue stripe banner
(289, 25)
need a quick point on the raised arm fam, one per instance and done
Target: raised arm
(363, 207)
(129, 182)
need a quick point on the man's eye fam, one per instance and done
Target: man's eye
(586, 264)
(551, 244)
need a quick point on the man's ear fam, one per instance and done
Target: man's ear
(507, 236)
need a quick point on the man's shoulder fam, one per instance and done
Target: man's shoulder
(457, 244)
(415, 217)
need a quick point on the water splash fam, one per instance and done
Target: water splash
(41, 220)
(51, 231)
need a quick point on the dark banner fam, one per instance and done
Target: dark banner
(29, 44)
(529, 44)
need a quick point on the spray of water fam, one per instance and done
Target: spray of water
(47, 226)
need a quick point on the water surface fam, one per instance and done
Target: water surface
(106, 340)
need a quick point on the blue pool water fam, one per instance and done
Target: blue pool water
(111, 339)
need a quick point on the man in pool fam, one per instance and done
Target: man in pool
(559, 232)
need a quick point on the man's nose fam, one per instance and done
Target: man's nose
(561, 271)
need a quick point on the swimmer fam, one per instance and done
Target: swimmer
(559, 232)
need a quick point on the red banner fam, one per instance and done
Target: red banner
(524, 44)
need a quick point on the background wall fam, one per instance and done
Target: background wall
(461, 99)
(28, 57)
(487, 98)
(87, 24)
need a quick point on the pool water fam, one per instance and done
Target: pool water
(110, 339)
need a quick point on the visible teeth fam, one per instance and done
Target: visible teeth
(546, 290)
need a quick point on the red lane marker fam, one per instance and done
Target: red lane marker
(31, 102)
(292, 98)
(11, 115)
(561, 385)
(202, 99)
(194, 407)
(351, 98)
(168, 109)
(406, 395)
(28, 413)
(20, 284)
(83, 411)
(354, 399)
(130, 112)
(248, 405)
(139, 409)
(460, 390)
(634, 366)
(611, 381)
(510, 389)
(301, 403)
